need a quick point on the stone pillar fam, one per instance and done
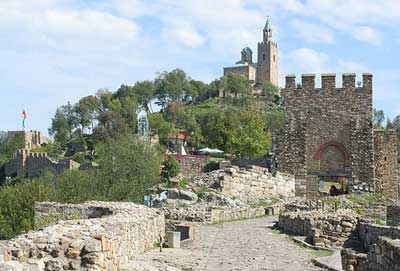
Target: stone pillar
(174, 239)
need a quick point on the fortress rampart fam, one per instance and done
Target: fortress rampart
(25, 163)
(328, 132)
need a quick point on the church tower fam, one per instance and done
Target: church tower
(268, 58)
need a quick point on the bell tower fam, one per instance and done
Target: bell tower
(268, 58)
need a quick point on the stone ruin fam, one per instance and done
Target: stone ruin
(95, 236)
(364, 245)
(28, 164)
(328, 134)
(25, 163)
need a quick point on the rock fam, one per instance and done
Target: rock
(173, 193)
(186, 195)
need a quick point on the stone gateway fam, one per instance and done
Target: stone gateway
(328, 134)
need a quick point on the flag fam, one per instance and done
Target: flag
(23, 118)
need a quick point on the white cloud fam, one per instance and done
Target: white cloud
(312, 33)
(309, 60)
(92, 23)
(183, 35)
(368, 34)
(351, 66)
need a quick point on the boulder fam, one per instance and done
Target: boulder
(186, 195)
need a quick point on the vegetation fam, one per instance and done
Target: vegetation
(170, 169)
(127, 167)
(102, 128)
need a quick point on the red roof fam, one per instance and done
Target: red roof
(180, 135)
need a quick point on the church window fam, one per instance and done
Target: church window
(274, 58)
(263, 56)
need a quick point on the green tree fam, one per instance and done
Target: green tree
(144, 91)
(236, 84)
(247, 137)
(71, 186)
(170, 169)
(163, 128)
(111, 124)
(378, 118)
(214, 131)
(171, 86)
(17, 207)
(270, 91)
(87, 109)
(128, 167)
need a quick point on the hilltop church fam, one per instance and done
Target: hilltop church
(266, 67)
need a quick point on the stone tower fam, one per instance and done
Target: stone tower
(268, 58)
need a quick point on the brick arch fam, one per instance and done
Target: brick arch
(339, 146)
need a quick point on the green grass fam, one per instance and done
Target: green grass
(263, 203)
(183, 183)
(321, 253)
(315, 252)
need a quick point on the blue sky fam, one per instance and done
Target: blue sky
(55, 51)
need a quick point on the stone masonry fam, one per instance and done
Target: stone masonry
(25, 163)
(249, 184)
(386, 169)
(328, 133)
(116, 233)
(32, 139)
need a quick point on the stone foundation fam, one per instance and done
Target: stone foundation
(119, 232)
(353, 261)
(204, 214)
(323, 229)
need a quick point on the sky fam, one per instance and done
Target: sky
(55, 51)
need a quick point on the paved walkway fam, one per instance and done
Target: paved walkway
(241, 245)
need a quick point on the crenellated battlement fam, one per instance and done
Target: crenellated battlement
(274, 44)
(38, 155)
(21, 153)
(328, 83)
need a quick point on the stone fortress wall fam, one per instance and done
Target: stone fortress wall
(25, 163)
(257, 182)
(101, 236)
(386, 169)
(32, 138)
(328, 132)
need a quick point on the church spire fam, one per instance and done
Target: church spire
(267, 31)
(266, 27)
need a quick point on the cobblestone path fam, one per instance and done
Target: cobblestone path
(241, 245)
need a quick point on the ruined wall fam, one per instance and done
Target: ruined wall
(386, 169)
(393, 215)
(323, 229)
(29, 164)
(250, 183)
(102, 243)
(369, 233)
(385, 255)
(204, 214)
(328, 129)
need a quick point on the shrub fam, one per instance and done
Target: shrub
(170, 169)
(211, 166)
